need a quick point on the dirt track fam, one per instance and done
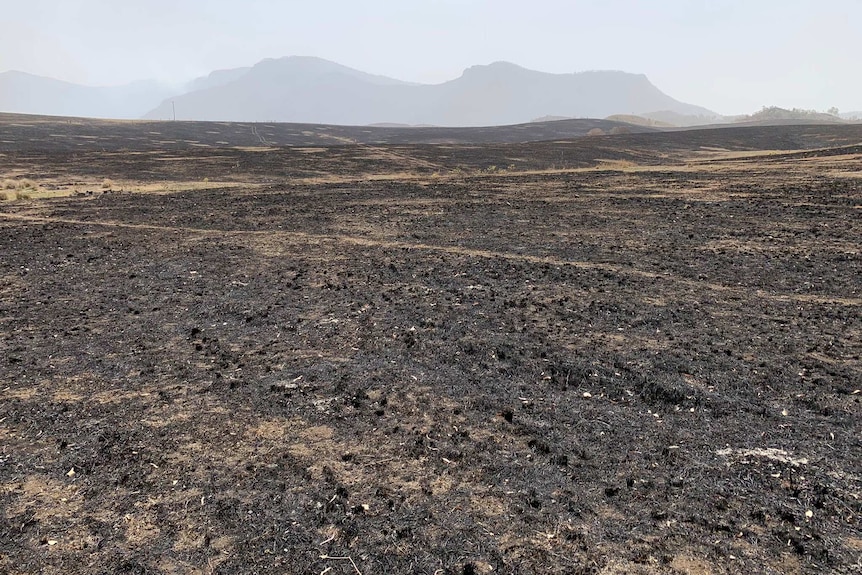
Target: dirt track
(648, 369)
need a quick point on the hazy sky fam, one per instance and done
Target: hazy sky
(731, 56)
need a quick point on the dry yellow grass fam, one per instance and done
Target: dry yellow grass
(19, 184)
(18, 189)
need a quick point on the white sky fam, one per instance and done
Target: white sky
(732, 56)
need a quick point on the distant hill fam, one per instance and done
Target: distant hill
(640, 121)
(28, 94)
(551, 119)
(775, 113)
(316, 91)
(671, 118)
(216, 79)
(302, 89)
(653, 119)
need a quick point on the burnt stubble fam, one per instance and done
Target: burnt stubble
(633, 354)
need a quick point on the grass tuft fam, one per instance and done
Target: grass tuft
(21, 184)
(18, 189)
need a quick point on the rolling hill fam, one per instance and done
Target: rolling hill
(24, 132)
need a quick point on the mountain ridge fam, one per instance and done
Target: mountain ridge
(309, 89)
(314, 90)
(27, 93)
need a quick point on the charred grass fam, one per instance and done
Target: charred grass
(628, 370)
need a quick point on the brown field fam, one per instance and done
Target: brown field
(629, 354)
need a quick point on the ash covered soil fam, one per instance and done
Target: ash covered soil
(648, 369)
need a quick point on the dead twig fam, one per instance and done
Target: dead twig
(378, 462)
(329, 557)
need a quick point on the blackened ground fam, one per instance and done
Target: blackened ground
(638, 370)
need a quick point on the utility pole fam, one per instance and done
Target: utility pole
(174, 107)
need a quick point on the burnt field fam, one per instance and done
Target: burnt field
(21, 131)
(632, 354)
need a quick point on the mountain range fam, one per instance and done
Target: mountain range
(313, 90)
(29, 94)
(301, 89)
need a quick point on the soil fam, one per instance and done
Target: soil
(637, 354)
